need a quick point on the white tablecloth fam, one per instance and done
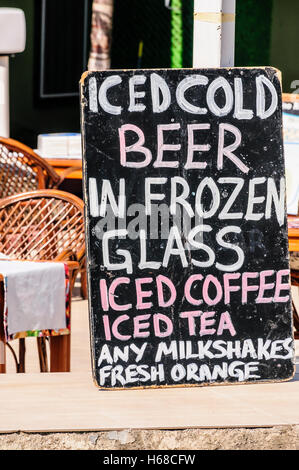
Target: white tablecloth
(35, 295)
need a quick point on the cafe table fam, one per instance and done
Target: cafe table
(293, 232)
(59, 345)
(61, 164)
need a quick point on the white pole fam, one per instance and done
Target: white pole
(214, 33)
(4, 96)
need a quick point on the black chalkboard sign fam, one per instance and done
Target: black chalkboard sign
(187, 246)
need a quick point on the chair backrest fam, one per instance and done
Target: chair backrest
(22, 170)
(42, 225)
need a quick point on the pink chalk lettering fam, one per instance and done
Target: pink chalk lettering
(161, 300)
(138, 147)
(228, 151)
(159, 317)
(246, 288)
(191, 322)
(205, 290)
(188, 286)
(191, 165)
(115, 326)
(228, 288)
(205, 323)
(107, 327)
(138, 326)
(263, 287)
(104, 295)
(225, 323)
(160, 163)
(142, 294)
(114, 285)
(282, 286)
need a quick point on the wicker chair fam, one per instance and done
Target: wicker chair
(44, 225)
(22, 170)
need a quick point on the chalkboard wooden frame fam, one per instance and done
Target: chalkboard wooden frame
(254, 332)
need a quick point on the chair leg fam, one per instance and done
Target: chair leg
(60, 353)
(2, 356)
(60, 346)
(22, 351)
(42, 354)
(83, 283)
(2, 334)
